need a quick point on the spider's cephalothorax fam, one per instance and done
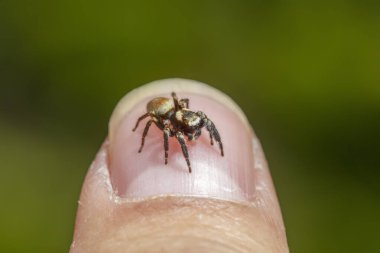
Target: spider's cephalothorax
(175, 119)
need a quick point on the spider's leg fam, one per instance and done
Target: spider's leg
(146, 129)
(185, 102)
(196, 134)
(214, 133)
(175, 99)
(211, 140)
(139, 119)
(166, 143)
(181, 139)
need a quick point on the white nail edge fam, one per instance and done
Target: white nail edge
(167, 86)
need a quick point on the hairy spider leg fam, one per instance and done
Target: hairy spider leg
(214, 133)
(212, 130)
(184, 101)
(140, 119)
(146, 129)
(181, 139)
(166, 143)
(180, 104)
(175, 99)
(211, 141)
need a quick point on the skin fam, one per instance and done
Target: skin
(126, 207)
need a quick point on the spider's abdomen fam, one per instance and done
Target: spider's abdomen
(160, 106)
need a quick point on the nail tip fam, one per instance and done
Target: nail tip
(180, 84)
(215, 181)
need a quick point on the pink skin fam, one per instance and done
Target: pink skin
(122, 184)
(241, 175)
(213, 175)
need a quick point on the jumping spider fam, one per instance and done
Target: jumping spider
(175, 119)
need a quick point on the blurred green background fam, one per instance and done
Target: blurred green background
(305, 72)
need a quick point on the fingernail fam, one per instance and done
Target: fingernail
(145, 174)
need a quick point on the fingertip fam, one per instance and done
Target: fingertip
(123, 174)
(213, 173)
(166, 86)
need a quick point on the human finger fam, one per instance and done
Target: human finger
(133, 202)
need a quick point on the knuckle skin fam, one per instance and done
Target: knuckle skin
(173, 224)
